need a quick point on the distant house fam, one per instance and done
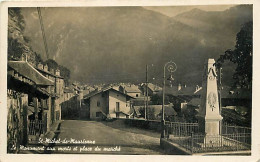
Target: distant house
(155, 112)
(131, 90)
(87, 90)
(183, 97)
(152, 89)
(68, 93)
(73, 106)
(108, 103)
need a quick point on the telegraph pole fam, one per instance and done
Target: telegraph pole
(146, 103)
(220, 102)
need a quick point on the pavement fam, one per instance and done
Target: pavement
(107, 139)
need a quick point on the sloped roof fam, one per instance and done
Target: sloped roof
(132, 89)
(194, 102)
(28, 71)
(189, 90)
(93, 93)
(154, 87)
(49, 73)
(68, 90)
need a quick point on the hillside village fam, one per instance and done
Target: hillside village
(40, 97)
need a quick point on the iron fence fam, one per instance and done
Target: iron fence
(181, 129)
(198, 143)
(233, 129)
(232, 138)
(36, 126)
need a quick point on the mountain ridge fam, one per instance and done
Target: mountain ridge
(121, 41)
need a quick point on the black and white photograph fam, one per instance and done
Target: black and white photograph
(130, 80)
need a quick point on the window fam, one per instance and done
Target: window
(136, 95)
(117, 106)
(98, 103)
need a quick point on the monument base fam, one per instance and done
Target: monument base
(209, 126)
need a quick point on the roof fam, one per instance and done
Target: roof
(68, 90)
(93, 93)
(132, 89)
(48, 72)
(28, 71)
(184, 91)
(154, 87)
(194, 102)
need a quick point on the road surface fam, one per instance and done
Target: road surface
(109, 137)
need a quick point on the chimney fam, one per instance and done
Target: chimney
(179, 86)
(197, 87)
(45, 67)
(40, 66)
(57, 72)
(52, 71)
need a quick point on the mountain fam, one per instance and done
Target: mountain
(113, 44)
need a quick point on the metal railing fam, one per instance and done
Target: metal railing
(196, 143)
(233, 129)
(181, 129)
(233, 138)
(36, 126)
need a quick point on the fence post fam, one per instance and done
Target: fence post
(226, 128)
(179, 127)
(191, 142)
(205, 141)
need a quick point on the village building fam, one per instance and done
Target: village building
(152, 89)
(108, 103)
(73, 107)
(154, 112)
(131, 90)
(59, 85)
(185, 98)
(29, 102)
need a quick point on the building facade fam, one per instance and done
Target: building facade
(108, 103)
(29, 102)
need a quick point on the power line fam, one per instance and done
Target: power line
(43, 32)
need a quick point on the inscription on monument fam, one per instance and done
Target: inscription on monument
(212, 99)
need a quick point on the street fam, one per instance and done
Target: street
(109, 137)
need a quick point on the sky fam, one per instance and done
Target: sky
(175, 10)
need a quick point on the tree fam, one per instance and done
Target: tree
(150, 113)
(241, 56)
(16, 25)
(157, 99)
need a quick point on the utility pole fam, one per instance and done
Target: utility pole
(146, 103)
(220, 102)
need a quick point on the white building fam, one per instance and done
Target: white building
(108, 103)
